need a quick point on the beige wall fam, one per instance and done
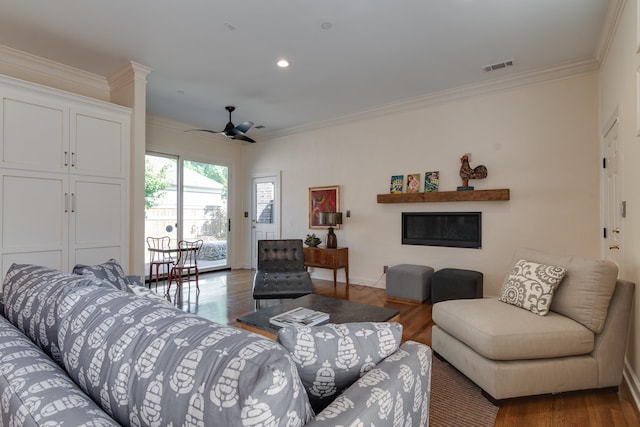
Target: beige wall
(540, 141)
(619, 91)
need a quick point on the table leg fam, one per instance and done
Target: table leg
(335, 277)
(346, 274)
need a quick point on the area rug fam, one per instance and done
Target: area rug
(456, 401)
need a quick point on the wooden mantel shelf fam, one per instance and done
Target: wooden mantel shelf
(446, 196)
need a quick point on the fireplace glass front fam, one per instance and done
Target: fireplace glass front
(452, 229)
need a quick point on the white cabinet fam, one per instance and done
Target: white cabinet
(64, 179)
(41, 132)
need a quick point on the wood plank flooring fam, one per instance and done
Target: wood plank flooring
(226, 295)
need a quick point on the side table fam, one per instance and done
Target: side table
(328, 258)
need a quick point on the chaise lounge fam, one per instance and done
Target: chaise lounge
(512, 352)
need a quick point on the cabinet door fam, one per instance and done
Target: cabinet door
(35, 132)
(34, 216)
(98, 222)
(99, 141)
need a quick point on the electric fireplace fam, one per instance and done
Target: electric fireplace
(452, 229)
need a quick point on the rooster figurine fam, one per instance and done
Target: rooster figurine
(467, 173)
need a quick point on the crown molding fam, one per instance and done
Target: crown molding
(167, 123)
(566, 70)
(612, 19)
(25, 66)
(127, 74)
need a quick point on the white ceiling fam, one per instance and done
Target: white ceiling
(206, 54)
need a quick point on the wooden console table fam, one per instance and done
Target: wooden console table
(328, 258)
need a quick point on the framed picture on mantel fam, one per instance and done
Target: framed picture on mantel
(323, 199)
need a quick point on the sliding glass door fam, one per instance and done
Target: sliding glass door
(187, 200)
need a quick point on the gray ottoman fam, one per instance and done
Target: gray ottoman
(409, 282)
(453, 283)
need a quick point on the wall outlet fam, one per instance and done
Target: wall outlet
(384, 268)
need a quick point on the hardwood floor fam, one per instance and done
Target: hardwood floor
(226, 295)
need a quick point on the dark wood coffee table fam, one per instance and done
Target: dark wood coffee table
(340, 311)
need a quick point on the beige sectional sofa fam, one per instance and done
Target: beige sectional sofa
(512, 352)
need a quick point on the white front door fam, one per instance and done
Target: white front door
(614, 208)
(265, 211)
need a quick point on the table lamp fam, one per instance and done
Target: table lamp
(331, 219)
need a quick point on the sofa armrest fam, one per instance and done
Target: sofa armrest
(36, 391)
(610, 344)
(395, 390)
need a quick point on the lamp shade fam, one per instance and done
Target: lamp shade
(330, 218)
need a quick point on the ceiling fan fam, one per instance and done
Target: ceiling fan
(230, 130)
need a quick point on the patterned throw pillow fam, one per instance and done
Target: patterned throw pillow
(531, 285)
(110, 272)
(331, 357)
(32, 294)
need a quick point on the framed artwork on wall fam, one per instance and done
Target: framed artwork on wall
(323, 199)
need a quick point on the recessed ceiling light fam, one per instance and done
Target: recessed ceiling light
(326, 25)
(282, 63)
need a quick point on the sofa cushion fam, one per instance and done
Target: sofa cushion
(586, 289)
(31, 296)
(35, 391)
(394, 393)
(332, 357)
(531, 285)
(110, 272)
(501, 331)
(147, 363)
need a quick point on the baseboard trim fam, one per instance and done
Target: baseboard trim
(633, 384)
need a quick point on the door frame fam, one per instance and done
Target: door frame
(277, 205)
(613, 121)
(180, 158)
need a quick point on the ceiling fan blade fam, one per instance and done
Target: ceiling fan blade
(244, 126)
(202, 130)
(243, 137)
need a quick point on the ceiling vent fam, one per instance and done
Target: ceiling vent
(498, 66)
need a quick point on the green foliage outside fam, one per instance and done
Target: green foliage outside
(215, 172)
(155, 184)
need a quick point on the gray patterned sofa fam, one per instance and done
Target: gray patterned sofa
(79, 350)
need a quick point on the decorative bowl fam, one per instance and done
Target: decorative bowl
(312, 240)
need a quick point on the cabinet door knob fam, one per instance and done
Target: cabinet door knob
(614, 247)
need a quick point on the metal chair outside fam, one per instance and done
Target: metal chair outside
(159, 260)
(186, 263)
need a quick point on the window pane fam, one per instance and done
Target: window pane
(265, 193)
